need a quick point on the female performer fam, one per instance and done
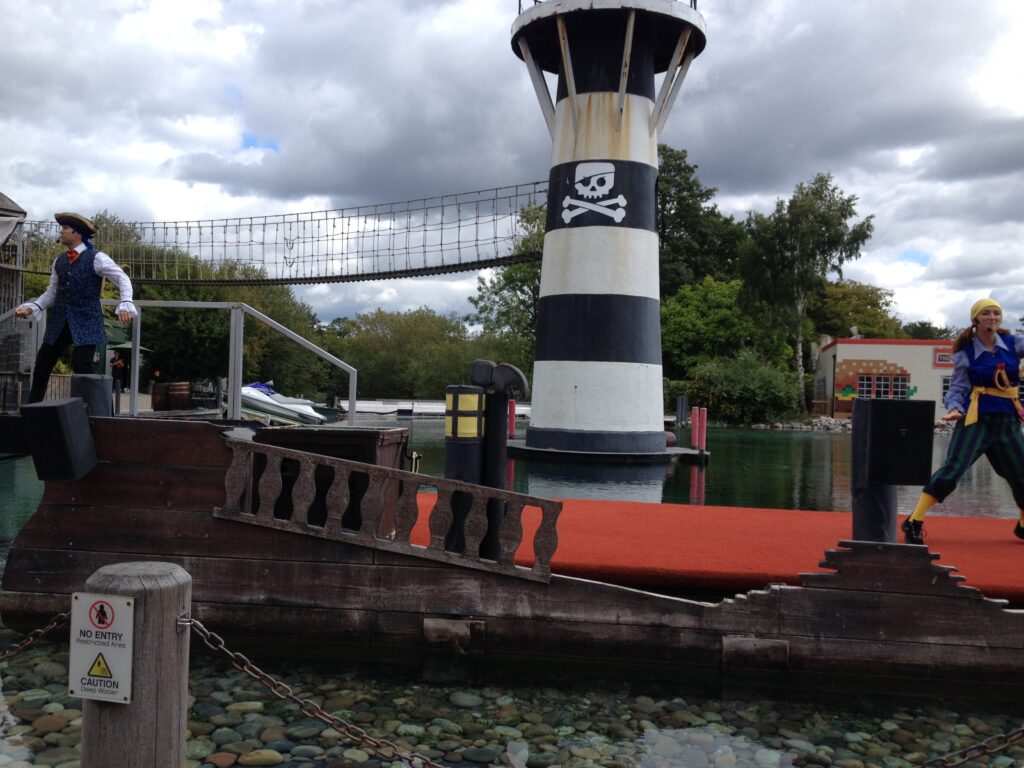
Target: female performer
(983, 401)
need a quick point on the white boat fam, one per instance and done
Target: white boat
(293, 409)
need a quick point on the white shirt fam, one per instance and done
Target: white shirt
(103, 266)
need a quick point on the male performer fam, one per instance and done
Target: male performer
(73, 297)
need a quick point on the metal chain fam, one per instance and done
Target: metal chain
(382, 747)
(34, 636)
(993, 745)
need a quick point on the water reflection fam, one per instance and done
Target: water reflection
(623, 482)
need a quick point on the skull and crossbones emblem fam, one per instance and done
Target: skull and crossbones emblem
(594, 181)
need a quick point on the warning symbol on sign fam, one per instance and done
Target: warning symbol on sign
(99, 667)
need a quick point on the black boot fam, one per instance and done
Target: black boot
(1018, 531)
(913, 531)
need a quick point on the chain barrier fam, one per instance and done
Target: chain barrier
(993, 745)
(384, 748)
(34, 636)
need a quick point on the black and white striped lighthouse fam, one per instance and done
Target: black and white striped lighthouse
(597, 380)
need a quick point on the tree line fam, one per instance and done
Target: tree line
(742, 303)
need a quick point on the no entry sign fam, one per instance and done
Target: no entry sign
(100, 667)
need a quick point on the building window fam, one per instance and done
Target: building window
(864, 386)
(883, 387)
(900, 385)
(946, 381)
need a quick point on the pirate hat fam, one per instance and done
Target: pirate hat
(77, 222)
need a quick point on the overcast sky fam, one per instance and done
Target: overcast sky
(195, 109)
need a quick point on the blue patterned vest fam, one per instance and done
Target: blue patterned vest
(77, 302)
(981, 372)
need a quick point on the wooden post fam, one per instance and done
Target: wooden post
(149, 732)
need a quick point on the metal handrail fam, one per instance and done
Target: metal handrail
(238, 311)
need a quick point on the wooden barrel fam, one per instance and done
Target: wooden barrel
(159, 396)
(179, 398)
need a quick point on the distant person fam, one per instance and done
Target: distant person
(983, 401)
(73, 298)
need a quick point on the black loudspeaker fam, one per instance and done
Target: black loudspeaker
(58, 435)
(96, 390)
(12, 438)
(899, 436)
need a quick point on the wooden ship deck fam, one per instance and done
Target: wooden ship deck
(288, 548)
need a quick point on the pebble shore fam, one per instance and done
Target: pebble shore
(233, 721)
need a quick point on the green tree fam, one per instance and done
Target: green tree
(743, 389)
(413, 354)
(707, 320)
(922, 329)
(506, 301)
(791, 252)
(842, 304)
(695, 239)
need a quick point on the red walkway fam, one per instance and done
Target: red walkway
(736, 549)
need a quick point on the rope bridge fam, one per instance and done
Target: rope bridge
(451, 233)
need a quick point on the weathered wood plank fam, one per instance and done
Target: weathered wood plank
(158, 441)
(437, 591)
(895, 618)
(175, 532)
(142, 486)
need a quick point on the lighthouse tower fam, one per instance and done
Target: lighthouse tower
(597, 381)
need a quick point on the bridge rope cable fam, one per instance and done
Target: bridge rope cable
(436, 235)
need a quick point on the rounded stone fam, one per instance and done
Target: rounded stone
(261, 757)
(465, 699)
(197, 749)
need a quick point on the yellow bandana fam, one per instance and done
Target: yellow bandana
(981, 304)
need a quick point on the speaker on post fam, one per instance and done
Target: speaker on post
(58, 435)
(96, 390)
(900, 438)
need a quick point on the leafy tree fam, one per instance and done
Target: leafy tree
(707, 320)
(506, 302)
(922, 329)
(696, 240)
(413, 354)
(743, 389)
(846, 303)
(791, 252)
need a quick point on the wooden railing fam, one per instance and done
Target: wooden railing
(375, 506)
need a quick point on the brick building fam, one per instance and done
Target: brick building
(898, 369)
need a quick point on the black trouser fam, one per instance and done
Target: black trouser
(49, 354)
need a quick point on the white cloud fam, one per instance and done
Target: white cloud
(196, 109)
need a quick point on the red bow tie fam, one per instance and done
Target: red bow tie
(72, 255)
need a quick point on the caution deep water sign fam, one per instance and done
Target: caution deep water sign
(101, 647)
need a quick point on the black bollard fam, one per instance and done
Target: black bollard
(463, 453)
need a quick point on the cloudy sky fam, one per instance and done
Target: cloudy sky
(195, 109)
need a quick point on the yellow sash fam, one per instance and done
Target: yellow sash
(1010, 393)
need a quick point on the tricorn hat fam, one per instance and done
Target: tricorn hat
(77, 222)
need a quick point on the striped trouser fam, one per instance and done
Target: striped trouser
(999, 437)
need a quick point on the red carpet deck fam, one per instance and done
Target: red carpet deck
(734, 549)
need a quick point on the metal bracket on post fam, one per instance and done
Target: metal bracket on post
(570, 80)
(627, 53)
(539, 85)
(672, 83)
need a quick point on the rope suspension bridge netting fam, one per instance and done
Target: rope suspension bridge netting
(436, 235)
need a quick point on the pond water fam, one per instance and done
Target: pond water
(556, 721)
